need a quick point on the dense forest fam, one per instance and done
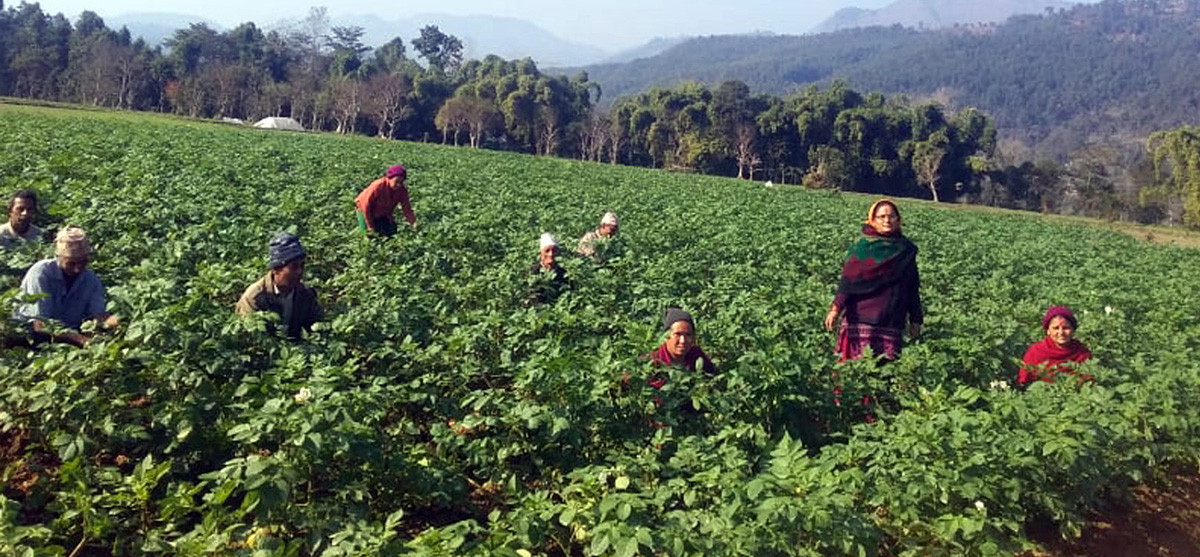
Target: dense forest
(827, 136)
(1107, 73)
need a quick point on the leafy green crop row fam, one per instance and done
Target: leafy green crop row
(435, 413)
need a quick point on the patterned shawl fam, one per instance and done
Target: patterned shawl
(876, 261)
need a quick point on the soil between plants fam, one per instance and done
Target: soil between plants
(1161, 519)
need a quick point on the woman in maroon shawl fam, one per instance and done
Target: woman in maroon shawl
(680, 347)
(1058, 352)
(879, 292)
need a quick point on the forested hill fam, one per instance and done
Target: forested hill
(934, 14)
(1104, 72)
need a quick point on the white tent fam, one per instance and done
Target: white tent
(275, 123)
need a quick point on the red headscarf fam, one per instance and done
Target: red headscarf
(1059, 311)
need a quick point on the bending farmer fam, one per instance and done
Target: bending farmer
(377, 203)
(608, 230)
(72, 292)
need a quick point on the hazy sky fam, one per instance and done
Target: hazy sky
(612, 25)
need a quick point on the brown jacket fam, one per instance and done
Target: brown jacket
(261, 296)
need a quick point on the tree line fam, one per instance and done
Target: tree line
(832, 138)
(320, 74)
(827, 136)
(326, 78)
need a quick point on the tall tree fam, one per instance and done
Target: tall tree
(443, 53)
(347, 38)
(927, 159)
(388, 101)
(1176, 155)
(451, 119)
(390, 57)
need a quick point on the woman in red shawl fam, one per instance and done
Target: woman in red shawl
(1057, 352)
(879, 292)
(680, 347)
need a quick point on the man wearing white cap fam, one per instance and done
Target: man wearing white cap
(608, 229)
(549, 278)
(72, 292)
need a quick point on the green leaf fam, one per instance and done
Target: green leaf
(599, 545)
(627, 547)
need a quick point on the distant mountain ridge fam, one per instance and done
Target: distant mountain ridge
(656, 46)
(936, 14)
(481, 35)
(506, 37)
(1107, 72)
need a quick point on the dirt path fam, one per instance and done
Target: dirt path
(1160, 521)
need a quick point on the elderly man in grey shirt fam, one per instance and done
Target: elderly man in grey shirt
(70, 292)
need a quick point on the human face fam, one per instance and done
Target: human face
(396, 181)
(288, 276)
(72, 265)
(680, 338)
(1060, 331)
(548, 256)
(20, 215)
(608, 230)
(886, 220)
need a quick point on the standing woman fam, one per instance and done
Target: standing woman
(879, 292)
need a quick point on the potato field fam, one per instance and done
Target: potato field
(437, 412)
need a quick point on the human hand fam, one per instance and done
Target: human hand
(831, 318)
(914, 330)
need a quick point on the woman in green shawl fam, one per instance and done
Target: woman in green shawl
(879, 292)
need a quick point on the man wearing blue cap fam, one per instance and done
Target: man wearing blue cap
(281, 290)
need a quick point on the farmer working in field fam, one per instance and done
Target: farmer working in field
(377, 203)
(71, 292)
(680, 348)
(281, 290)
(608, 230)
(879, 292)
(548, 277)
(22, 208)
(1058, 352)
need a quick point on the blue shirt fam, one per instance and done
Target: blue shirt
(83, 300)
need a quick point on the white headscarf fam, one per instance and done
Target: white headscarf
(547, 241)
(609, 218)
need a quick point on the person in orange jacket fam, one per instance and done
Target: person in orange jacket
(376, 204)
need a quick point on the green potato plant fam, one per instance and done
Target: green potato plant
(435, 412)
